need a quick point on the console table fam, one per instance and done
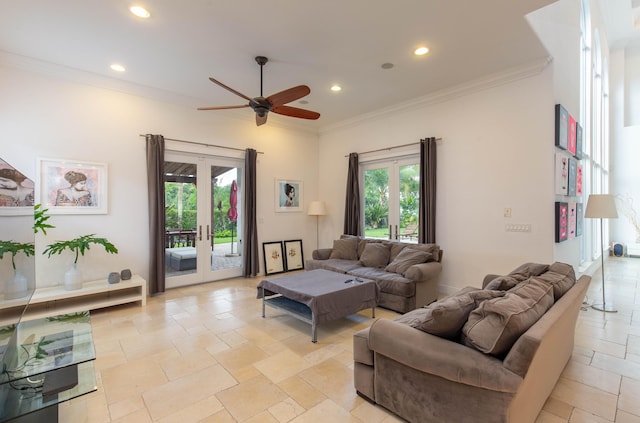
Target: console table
(93, 295)
(48, 361)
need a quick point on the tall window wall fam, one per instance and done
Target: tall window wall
(594, 116)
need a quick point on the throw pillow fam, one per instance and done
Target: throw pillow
(561, 276)
(407, 258)
(446, 317)
(534, 269)
(375, 255)
(345, 249)
(496, 324)
(505, 283)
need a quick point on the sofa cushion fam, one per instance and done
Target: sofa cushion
(496, 324)
(446, 317)
(388, 282)
(434, 249)
(375, 254)
(560, 276)
(345, 249)
(506, 282)
(334, 265)
(534, 269)
(407, 258)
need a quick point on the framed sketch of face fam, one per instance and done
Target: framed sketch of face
(72, 187)
(288, 195)
(16, 192)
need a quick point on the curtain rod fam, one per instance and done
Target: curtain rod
(391, 148)
(206, 145)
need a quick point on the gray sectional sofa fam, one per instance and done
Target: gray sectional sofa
(408, 274)
(481, 355)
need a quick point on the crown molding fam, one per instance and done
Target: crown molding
(494, 80)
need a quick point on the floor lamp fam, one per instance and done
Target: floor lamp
(317, 208)
(602, 206)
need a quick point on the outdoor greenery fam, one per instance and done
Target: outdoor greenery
(376, 197)
(79, 245)
(221, 224)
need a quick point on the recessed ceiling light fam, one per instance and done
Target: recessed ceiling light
(118, 68)
(336, 88)
(303, 102)
(140, 11)
(421, 51)
(386, 65)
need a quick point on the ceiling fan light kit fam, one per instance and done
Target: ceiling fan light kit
(275, 103)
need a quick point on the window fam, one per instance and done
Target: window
(594, 117)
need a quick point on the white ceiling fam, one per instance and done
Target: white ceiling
(317, 43)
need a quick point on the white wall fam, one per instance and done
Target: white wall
(496, 152)
(43, 116)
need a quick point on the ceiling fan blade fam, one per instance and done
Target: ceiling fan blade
(296, 112)
(289, 95)
(229, 89)
(223, 107)
(261, 120)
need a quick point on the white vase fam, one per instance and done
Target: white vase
(73, 278)
(17, 287)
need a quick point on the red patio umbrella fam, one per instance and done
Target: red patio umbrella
(232, 214)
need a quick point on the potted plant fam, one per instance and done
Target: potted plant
(17, 287)
(73, 277)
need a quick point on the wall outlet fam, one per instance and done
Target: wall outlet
(507, 212)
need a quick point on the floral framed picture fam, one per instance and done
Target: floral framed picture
(273, 259)
(72, 187)
(16, 192)
(288, 195)
(294, 259)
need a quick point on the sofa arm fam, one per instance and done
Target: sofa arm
(440, 357)
(321, 253)
(424, 271)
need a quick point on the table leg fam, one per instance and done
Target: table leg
(373, 312)
(262, 302)
(314, 331)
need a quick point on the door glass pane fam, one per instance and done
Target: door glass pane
(181, 209)
(408, 198)
(226, 218)
(376, 203)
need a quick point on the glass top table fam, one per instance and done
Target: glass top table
(45, 362)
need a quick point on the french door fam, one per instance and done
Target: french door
(391, 198)
(203, 239)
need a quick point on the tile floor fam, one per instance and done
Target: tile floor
(204, 354)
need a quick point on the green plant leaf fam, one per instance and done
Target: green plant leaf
(79, 245)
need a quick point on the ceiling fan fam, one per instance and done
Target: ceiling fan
(274, 103)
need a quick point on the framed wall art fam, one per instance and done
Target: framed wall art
(294, 259)
(72, 187)
(562, 221)
(273, 259)
(573, 174)
(578, 141)
(562, 127)
(288, 195)
(16, 192)
(579, 218)
(571, 139)
(562, 173)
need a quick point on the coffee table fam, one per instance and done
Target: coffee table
(318, 296)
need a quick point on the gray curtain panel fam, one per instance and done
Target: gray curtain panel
(251, 261)
(155, 183)
(352, 204)
(427, 210)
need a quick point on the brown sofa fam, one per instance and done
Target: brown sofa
(408, 274)
(448, 378)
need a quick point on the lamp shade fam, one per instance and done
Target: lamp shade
(601, 206)
(317, 208)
